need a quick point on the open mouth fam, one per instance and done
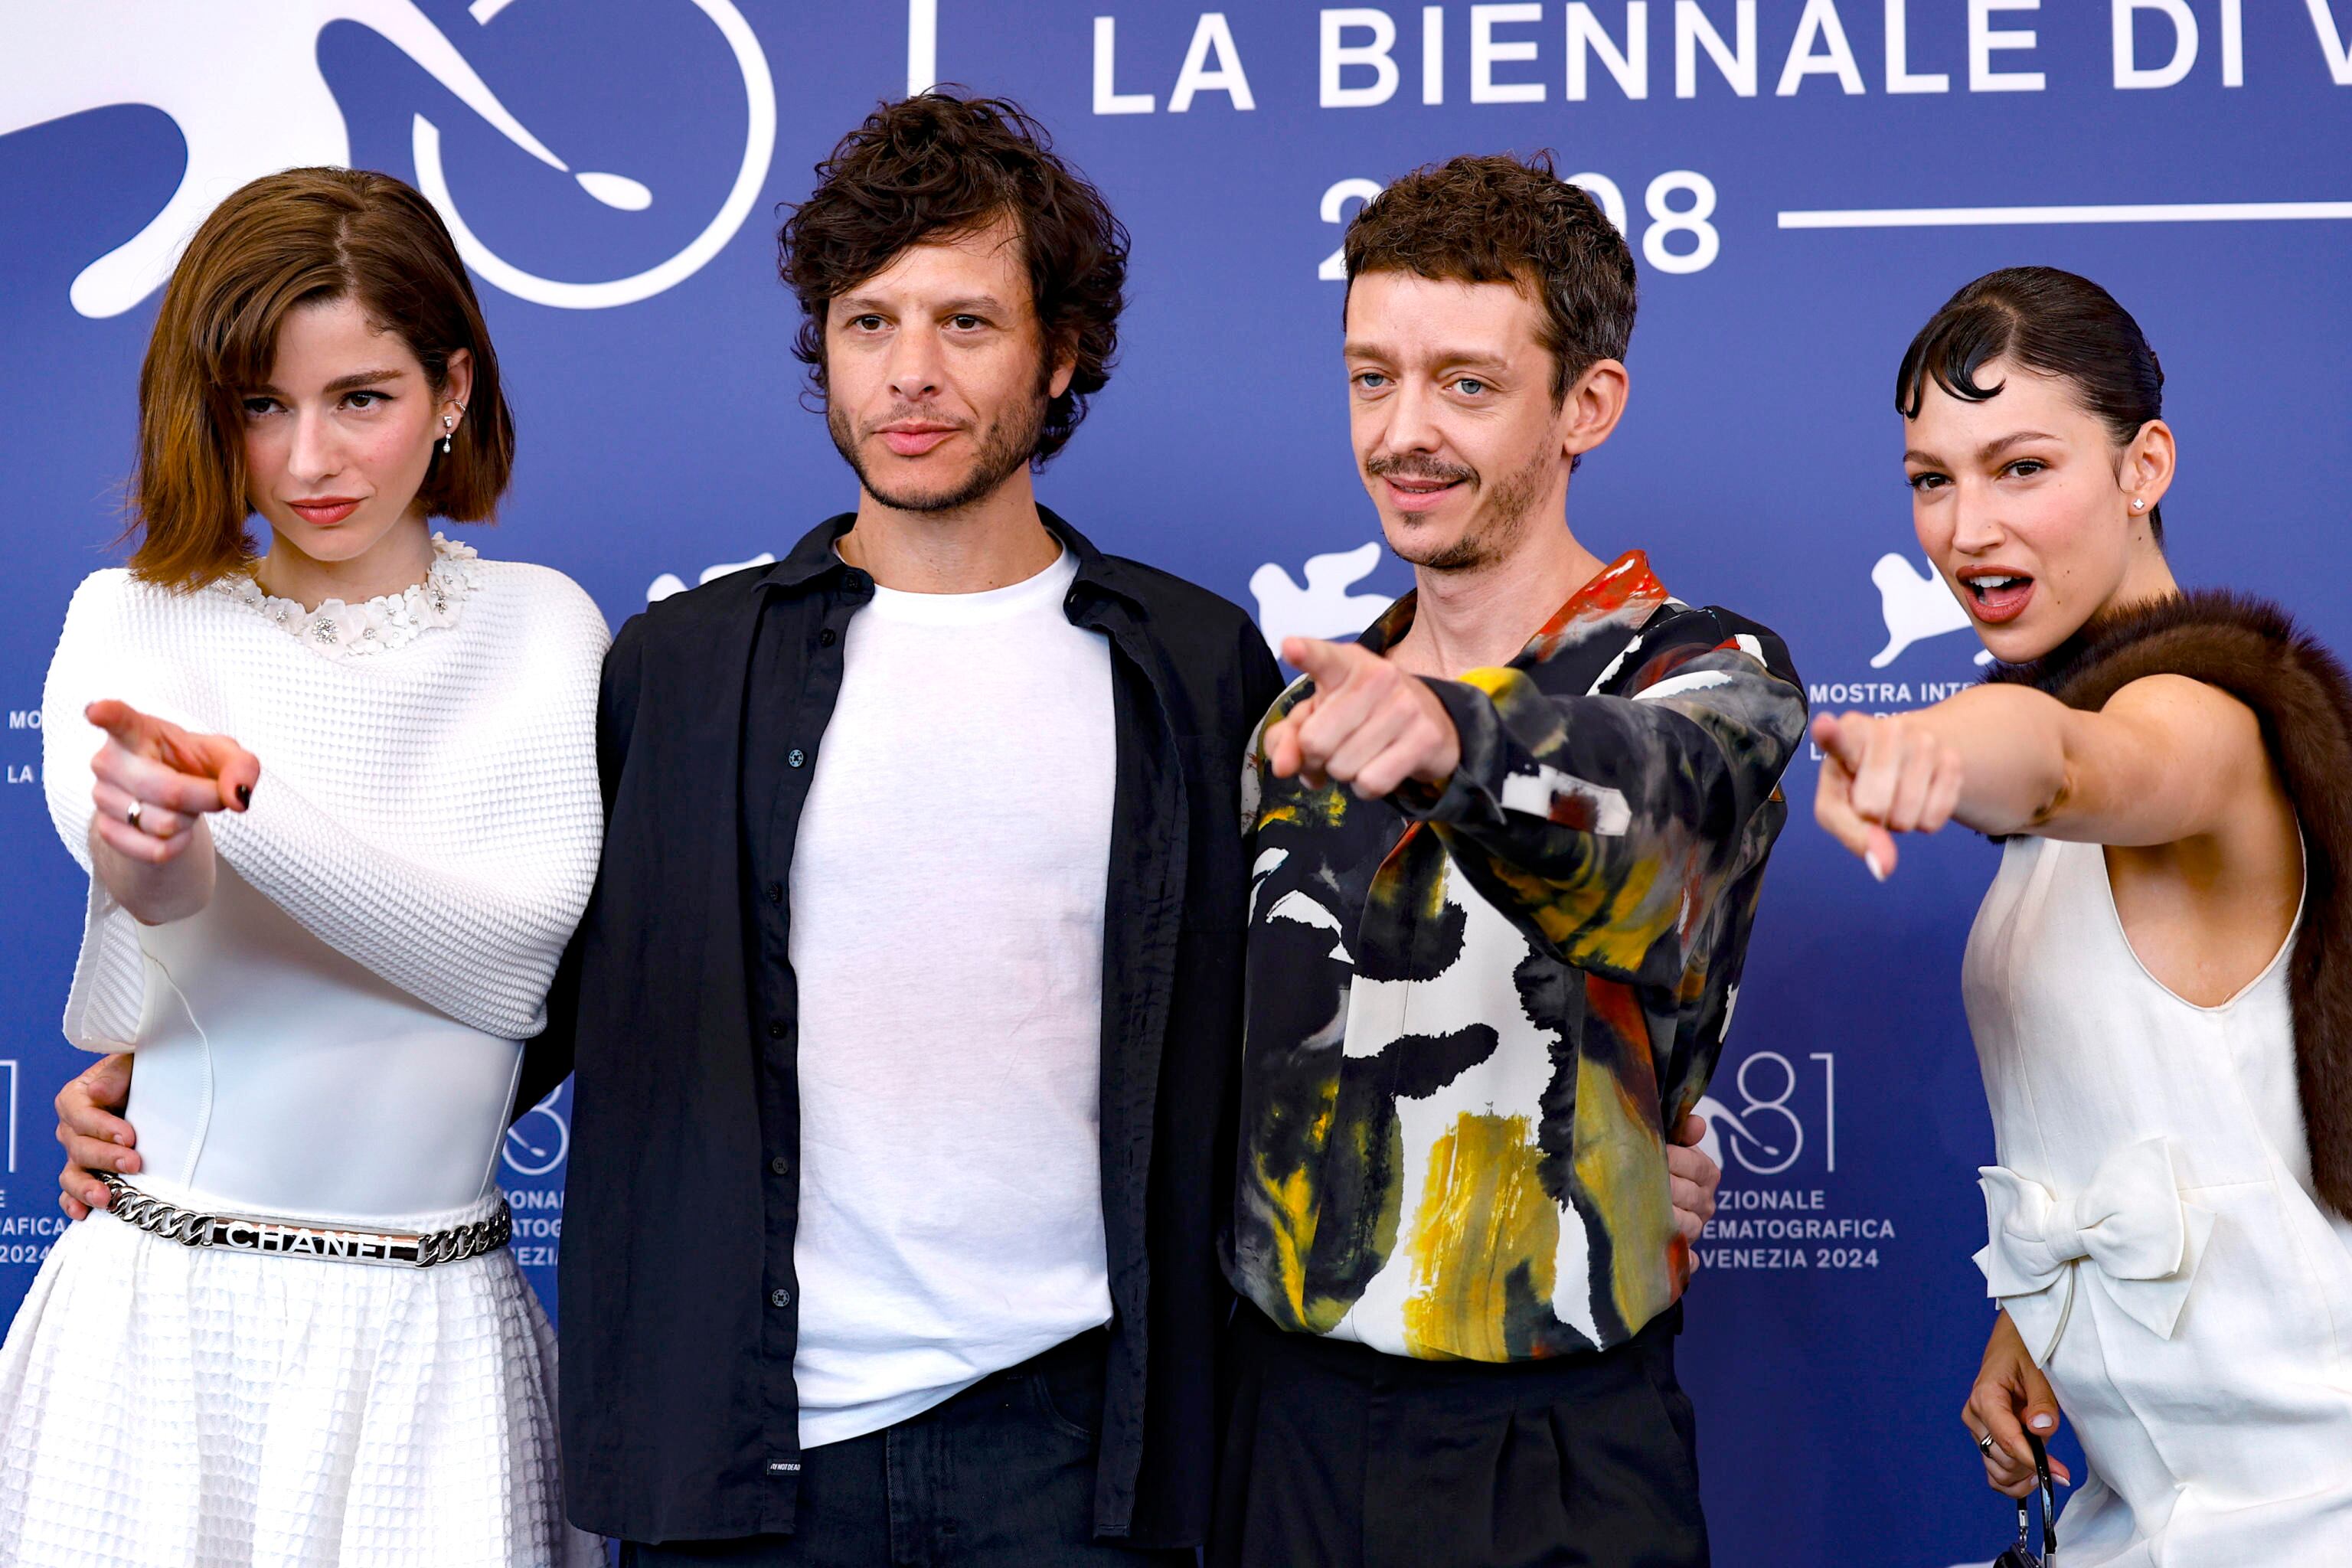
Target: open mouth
(1994, 596)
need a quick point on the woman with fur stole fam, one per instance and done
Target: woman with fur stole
(2158, 981)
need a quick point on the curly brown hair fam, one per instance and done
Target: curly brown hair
(1498, 220)
(937, 165)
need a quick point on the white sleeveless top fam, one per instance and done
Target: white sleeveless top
(2154, 1235)
(277, 1076)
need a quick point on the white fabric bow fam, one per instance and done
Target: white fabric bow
(2129, 1224)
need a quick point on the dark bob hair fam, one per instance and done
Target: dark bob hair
(2048, 320)
(286, 240)
(935, 167)
(1497, 219)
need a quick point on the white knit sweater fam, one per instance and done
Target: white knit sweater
(430, 810)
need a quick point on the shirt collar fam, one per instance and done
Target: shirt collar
(1625, 591)
(815, 556)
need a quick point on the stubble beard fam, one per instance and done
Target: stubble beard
(1004, 446)
(1495, 531)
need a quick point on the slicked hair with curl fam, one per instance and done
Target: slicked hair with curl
(1500, 219)
(2048, 320)
(937, 166)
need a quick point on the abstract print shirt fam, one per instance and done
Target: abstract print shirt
(1472, 1012)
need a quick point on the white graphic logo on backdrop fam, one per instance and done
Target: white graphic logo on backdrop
(540, 1138)
(1721, 1119)
(1766, 1134)
(669, 582)
(1915, 606)
(1324, 608)
(1783, 1129)
(241, 79)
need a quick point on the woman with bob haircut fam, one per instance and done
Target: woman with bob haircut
(2160, 980)
(341, 818)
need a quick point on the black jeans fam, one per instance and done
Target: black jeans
(1001, 1475)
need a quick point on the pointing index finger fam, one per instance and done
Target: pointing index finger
(1843, 736)
(1326, 663)
(125, 723)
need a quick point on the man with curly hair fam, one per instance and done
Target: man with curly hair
(1507, 852)
(906, 1012)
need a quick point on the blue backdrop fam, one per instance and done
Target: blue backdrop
(1802, 182)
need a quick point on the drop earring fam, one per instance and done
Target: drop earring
(449, 436)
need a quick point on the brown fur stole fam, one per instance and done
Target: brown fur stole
(2251, 649)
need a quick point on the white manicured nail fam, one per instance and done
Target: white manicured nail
(1877, 870)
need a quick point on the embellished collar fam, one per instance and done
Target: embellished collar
(337, 631)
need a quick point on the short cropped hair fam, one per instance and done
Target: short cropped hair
(937, 166)
(1500, 219)
(286, 240)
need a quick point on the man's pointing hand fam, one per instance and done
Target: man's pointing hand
(1369, 724)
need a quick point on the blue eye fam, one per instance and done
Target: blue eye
(1370, 380)
(1469, 386)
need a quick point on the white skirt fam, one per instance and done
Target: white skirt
(164, 1406)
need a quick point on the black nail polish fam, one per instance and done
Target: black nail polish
(244, 794)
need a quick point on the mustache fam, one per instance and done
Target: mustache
(1411, 465)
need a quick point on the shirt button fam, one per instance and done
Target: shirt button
(824, 638)
(781, 1165)
(776, 1030)
(796, 756)
(779, 1297)
(776, 892)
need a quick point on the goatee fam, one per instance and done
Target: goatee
(1494, 529)
(1004, 446)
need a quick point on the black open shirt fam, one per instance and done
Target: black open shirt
(676, 1005)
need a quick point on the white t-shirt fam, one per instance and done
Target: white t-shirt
(947, 904)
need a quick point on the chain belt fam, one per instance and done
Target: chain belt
(292, 1238)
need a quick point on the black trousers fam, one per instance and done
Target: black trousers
(1341, 1457)
(1001, 1475)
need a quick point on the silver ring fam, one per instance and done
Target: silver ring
(1984, 1441)
(131, 815)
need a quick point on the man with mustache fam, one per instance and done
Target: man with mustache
(1507, 851)
(907, 1008)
